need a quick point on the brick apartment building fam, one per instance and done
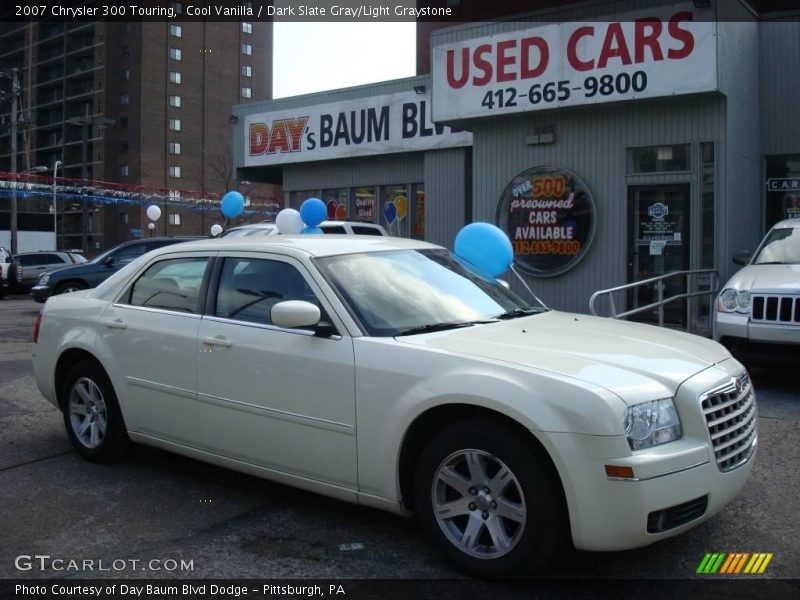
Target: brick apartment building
(149, 103)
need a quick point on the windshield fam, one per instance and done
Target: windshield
(781, 246)
(403, 291)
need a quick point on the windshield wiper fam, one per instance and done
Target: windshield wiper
(520, 312)
(430, 328)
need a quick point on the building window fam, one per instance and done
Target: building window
(175, 101)
(174, 124)
(177, 7)
(247, 27)
(125, 99)
(394, 210)
(659, 159)
(175, 53)
(175, 77)
(123, 218)
(247, 92)
(124, 171)
(174, 148)
(175, 30)
(174, 218)
(126, 74)
(247, 49)
(174, 171)
(123, 145)
(123, 122)
(247, 71)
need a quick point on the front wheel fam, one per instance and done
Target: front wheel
(70, 286)
(490, 499)
(91, 414)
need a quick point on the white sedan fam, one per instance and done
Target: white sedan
(390, 373)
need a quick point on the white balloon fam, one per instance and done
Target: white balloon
(151, 225)
(216, 229)
(153, 212)
(289, 221)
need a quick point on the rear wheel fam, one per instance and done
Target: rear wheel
(490, 500)
(91, 414)
(70, 286)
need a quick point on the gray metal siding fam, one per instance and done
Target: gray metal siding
(592, 142)
(739, 208)
(445, 193)
(780, 86)
(350, 172)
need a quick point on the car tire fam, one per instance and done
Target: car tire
(92, 416)
(490, 500)
(70, 286)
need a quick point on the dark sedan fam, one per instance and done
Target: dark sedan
(81, 277)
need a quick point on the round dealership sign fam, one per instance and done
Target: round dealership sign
(549, 215)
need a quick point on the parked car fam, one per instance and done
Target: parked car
(758, 309)
(341, 227)
(35, 263)
(387, 372)
(81, 277)
(10, 272)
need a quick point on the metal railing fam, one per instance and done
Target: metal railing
(692, 281)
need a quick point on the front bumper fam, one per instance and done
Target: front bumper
(41, 293)
(675, 486)
(738, 325)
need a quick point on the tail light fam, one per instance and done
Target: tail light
(36, 326)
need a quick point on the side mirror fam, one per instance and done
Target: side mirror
(109, 262)
(742, 257)
(292, 314)
(504, 283)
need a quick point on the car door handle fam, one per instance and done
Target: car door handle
(114, 324)
(217, 341)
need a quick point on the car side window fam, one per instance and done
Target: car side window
(334, 229)
(27, 261)
(362, 230)
(172, 284)
(129, 253)
(250, 287)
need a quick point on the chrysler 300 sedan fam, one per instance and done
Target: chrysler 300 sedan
(393, 374)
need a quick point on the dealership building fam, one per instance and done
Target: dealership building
(613, 142)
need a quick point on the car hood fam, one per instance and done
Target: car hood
(635, 361)
(767, 278)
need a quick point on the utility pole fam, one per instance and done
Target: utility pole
(14, 96)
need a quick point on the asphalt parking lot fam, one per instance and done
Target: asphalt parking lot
(161, 506)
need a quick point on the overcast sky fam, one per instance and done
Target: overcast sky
(312, 57)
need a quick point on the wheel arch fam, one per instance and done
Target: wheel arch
(66, 360)
(435, 419)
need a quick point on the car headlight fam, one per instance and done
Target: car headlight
(652, 423)
(731, 300)
(43, 279)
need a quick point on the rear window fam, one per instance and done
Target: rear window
(334, 229)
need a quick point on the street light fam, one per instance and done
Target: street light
(55, 207)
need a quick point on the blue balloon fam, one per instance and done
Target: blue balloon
(232, 204)
(313, 212)
(485, 246)
(311, 230)
(390, 212)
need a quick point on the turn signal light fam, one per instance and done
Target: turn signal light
(621, 472)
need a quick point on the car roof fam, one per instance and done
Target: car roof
(787, 224)
(309, 245)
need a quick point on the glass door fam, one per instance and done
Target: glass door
(658, 243)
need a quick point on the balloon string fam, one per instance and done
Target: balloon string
(527, 287)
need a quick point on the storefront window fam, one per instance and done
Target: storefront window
(296, 199)
(365, 204)
(394, 212)
(783, 188)
(418, 222)
(336, 201)
(659, 159)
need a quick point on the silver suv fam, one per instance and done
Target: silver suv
(336, 227)
(758, 311)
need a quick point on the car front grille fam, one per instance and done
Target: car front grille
(732, 419)
(773, 308)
